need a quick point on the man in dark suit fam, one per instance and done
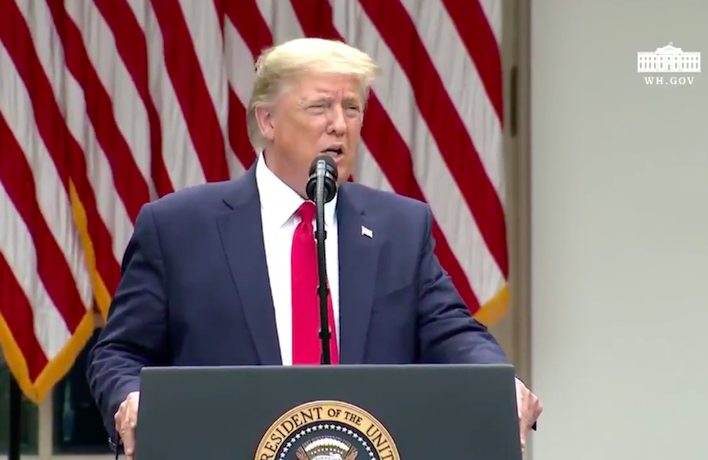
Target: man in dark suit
(226, 273)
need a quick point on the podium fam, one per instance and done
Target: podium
(377, 412)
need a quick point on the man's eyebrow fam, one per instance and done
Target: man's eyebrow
(352, 100)
(327, 98)
(316, 98)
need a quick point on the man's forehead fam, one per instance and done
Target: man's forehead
(329, 85)
(330, 93)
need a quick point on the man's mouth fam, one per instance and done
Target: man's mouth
(334, 151)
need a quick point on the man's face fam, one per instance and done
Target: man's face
(315, 114)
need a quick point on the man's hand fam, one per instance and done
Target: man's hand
(529, 410)
(126, 419)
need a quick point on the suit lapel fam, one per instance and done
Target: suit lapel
(358, 260)
(242, 238)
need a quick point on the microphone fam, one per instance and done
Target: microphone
(322, 169)
(321, 188)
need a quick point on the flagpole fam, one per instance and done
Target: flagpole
(13, 452)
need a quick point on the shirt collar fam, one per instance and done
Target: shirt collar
(278, 201)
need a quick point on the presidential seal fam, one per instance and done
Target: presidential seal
(327, 430)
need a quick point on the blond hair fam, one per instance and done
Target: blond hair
(276, 65)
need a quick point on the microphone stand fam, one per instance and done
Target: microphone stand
(322, 289)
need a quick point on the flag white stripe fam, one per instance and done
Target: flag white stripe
(205, 31)
(462, 82)
(281, 19)
(129, 111)
(45, 38)
(494, 10)
(110, 206)
(140, 10)
(18, 251)
(235, 53)
(237, 56)
(178, 151)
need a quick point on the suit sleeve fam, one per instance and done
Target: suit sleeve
(447, 332)
(135, 334)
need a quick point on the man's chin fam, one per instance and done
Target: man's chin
(344, 174)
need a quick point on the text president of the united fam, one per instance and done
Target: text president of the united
(226, 273)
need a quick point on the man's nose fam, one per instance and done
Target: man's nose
(337, 122)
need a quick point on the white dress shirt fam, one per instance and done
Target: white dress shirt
(278, 206)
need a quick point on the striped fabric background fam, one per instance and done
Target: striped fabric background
(107, 104)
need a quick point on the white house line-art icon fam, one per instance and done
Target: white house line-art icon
(668, 59)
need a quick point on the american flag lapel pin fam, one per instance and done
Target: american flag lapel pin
(367, 232)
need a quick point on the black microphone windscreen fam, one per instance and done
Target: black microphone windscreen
(330, 165)
(329, 177)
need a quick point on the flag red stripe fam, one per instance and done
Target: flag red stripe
(454, 142)
(128, 180)
(219, 7)
(62, 147)
(315, 17)
(238, 132)
(52, 267)
(132, 47)
(477, 35)
(387, 147)
(247, 19)
(186, 75)
(390, 152)
(17, 312)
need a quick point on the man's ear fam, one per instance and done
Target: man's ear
(266, 122)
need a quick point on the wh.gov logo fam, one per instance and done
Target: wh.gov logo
(669, 60)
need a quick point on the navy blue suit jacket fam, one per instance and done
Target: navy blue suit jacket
(195, 290)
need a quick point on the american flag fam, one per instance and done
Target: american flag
(108, 104)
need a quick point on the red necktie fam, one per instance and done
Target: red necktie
(306, 313)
